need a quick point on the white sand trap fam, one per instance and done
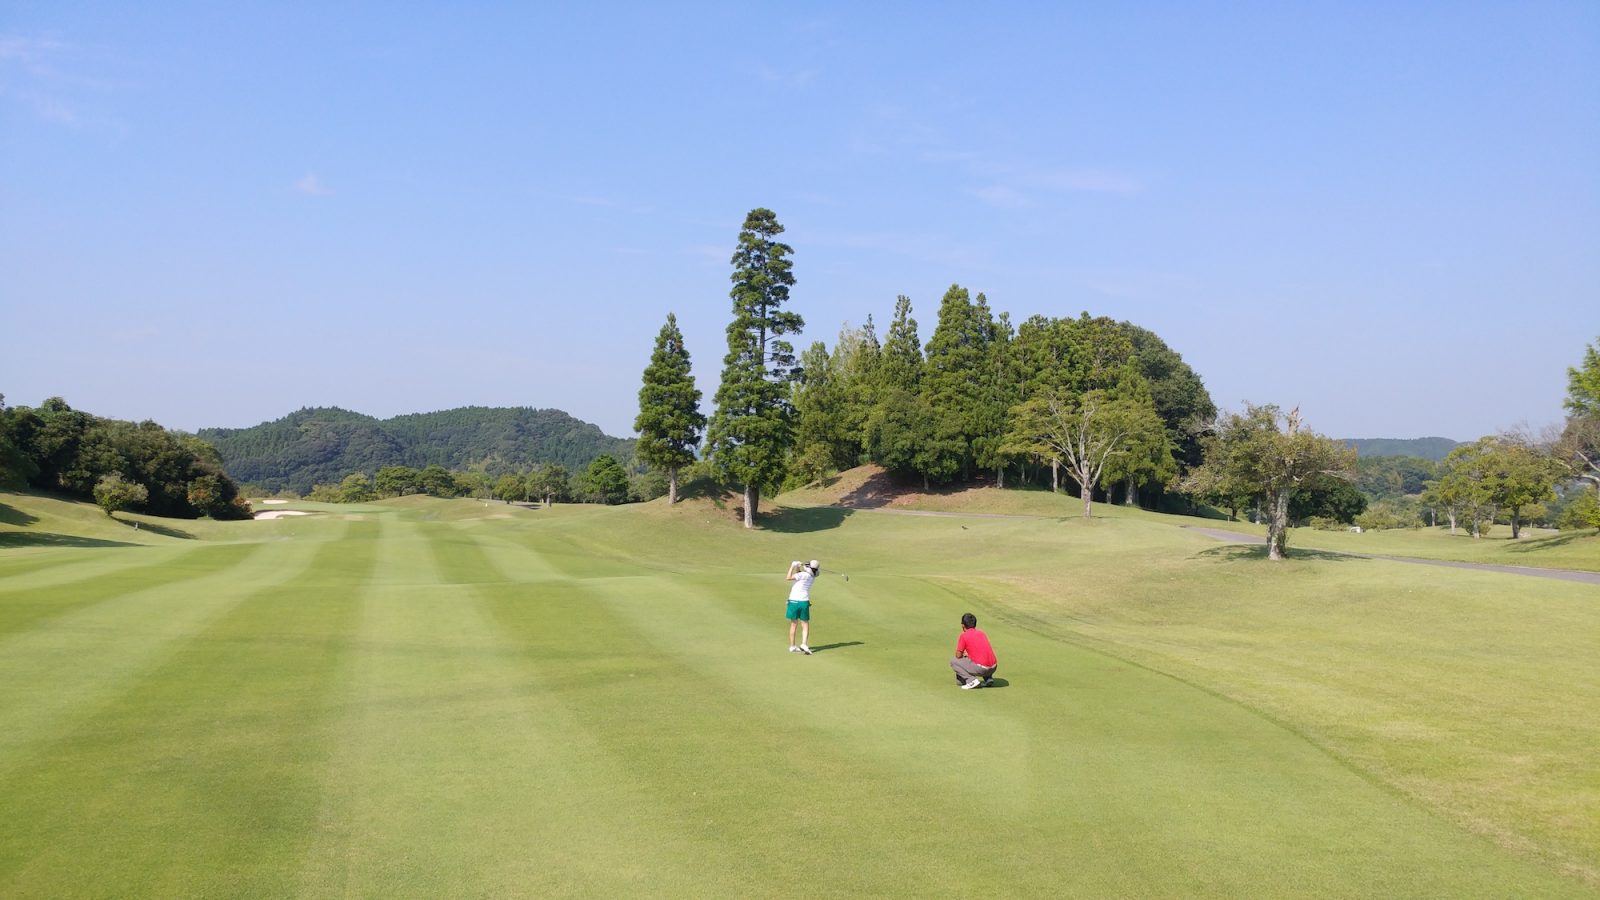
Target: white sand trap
(280, 513)
(272, 502)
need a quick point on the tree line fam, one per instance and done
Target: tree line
(604, 480)
(1103, 405)
(120, 465)
(1095, 405)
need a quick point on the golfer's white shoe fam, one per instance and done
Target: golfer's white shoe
(793, 649)
(972, 683)
(804, 649)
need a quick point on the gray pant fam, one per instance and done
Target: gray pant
(966, 670)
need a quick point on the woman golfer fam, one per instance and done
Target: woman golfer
(799, 608)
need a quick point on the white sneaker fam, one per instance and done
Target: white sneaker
(793, 649)
(972, 683)
(804, 649)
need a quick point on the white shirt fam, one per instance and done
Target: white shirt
(802, 585)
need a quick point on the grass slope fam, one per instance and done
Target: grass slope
(426, 697)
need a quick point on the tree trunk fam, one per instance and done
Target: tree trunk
(1452, 513)
(1088, 498)
(672, 485)
(752, 496)
(1127, 496)
(1278, 525)
(1516, 524)
(1055, 477)
(1000, 477)
(1474, 526)
(925, 487)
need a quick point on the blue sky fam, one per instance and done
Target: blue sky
(214, 214)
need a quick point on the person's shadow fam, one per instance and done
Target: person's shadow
(996, 683)
(837, 645)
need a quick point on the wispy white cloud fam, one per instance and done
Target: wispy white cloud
(1012, 187)
(929, 248)
(33, 75)
(1001, 196)
(1105, 181)
(311, 186)
(27, 51)
(709, 252)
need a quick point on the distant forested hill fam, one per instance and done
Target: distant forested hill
(322, 446)
(1434, 448)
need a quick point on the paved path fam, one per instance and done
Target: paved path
(1562, 574)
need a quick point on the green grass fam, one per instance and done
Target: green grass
(426, 697)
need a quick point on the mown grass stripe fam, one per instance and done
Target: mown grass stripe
(64, 667)
(175, 766)
(438, 681)
(27, 601)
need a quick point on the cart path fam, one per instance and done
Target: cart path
(1562, 574)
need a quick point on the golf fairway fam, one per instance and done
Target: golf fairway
(424, 698)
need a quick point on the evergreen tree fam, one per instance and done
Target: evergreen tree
(998, 391)
(854, 366)
(953, 383)
(823, 435)
(898, 432)
(752, 429)
(669, 421)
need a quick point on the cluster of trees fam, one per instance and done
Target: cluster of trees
(1105, 404)
(604, 480)
(321, 446)
(1513, 478)
(1090, 400)
(120, 465)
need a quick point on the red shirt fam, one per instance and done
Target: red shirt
(976, 645)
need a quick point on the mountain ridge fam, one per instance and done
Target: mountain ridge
(321, 445)
(1434, 448)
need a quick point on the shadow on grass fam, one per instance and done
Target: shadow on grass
(12, 516)
(1234, 552)
(47, 539)
(798, 520)
(836, 646)
(163, 530)
(995, 683)
(1534, 545)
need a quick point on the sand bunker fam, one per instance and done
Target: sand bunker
(280, 513)
(272, 502)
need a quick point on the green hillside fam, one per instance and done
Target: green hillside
(426, 697)
(321, 446)
(1434, 448)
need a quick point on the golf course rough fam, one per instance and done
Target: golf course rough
(429, 697)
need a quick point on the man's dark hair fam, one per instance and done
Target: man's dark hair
(968, 620)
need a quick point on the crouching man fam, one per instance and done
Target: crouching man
(975, 662)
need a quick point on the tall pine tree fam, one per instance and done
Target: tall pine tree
(669, 421)
(752, 429)
(953, 383)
